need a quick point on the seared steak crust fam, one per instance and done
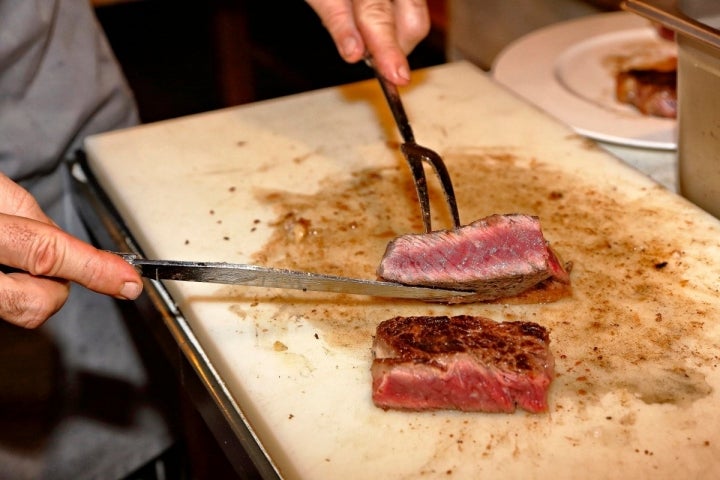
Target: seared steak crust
(498, 256)
(463, 362)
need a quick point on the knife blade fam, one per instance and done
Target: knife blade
(258, 276)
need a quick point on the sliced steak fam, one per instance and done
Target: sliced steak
(464, 363)
(649, 84)
(498, 256)
(652, 92)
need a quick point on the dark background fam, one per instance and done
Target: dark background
(187, 56)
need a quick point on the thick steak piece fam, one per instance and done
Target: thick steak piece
(498, 256)
(463, 363)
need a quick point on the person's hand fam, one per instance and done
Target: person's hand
(386, 29)
(42, 260)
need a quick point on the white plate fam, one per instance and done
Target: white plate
(568, 70)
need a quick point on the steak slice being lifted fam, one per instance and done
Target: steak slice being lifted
(499, 256)
(464, 363)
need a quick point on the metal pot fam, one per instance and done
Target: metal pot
(696, 24)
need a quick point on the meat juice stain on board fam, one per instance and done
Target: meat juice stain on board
(628, 326)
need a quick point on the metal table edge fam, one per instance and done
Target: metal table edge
(671, 15)
(110, 232)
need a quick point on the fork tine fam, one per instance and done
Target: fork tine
(432, 157)
(418, 173)
(415, 154)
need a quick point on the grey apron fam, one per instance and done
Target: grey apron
(74, 401)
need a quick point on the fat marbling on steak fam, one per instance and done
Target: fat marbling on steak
(463, 363)
(499, 256)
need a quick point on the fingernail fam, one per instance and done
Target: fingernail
(130, 290)
(349, 45)
(403, 73)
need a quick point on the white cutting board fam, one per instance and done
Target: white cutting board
(637, 345)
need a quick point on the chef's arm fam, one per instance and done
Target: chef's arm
(39, 261)
(388, 29)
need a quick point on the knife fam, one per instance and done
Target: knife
(257, 276)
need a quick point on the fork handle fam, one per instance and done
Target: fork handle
(393, 99)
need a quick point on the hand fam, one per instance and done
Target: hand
(49, 259)
(387, 29)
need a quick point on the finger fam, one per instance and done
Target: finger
(339, 20)
(45, 250)
(376, 21)
(412, 22)
(28, 301)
